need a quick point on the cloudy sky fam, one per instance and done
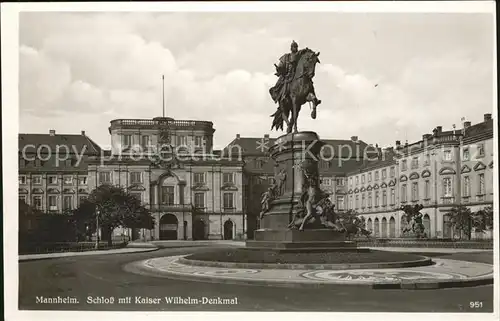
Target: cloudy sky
(78, 71)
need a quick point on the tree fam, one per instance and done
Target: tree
(463, 220)
(27, 220)
(37, 228)
(483, 219)
(116, 207)
(348, 215)
(352, 223)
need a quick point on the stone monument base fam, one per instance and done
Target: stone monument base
(294, 240)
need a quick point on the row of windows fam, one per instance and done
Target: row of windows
(447, 191)
(168, 198)
(136, 177)
(377, 199)
(339, 181)
(466, 186)
(145, 140)
(447, 156)
(228, 200)
(466, 152)
(377, 174)
(37, 162)
(52, 179)
(427, 161)
(53, 202)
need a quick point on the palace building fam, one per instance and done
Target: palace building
(444, 169)
(196, 195)
(205, 194)
(54, 178)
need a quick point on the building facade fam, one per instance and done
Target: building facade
(444, 169)
(53, 174)
(194, 192)
(170, 166)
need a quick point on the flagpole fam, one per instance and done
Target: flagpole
(163, 94)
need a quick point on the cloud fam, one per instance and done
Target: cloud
(374, 82)
(43, 80)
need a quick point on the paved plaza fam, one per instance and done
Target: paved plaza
(443, 273)
(107, 275)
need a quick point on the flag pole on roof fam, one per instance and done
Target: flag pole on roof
(163, 94)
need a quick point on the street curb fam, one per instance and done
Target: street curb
(140, 268)
(434, 285)
(68, 256)
(423, 261)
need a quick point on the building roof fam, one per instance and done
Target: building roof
(386, 158)
(480, 128)
(75, 143)
(259, 146)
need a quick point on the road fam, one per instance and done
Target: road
(103, 276)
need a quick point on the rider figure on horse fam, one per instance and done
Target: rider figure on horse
(285, 70)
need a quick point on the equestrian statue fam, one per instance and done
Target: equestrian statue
(294, 87)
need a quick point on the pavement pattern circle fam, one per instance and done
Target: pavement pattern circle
(442, 271)
(400, 275)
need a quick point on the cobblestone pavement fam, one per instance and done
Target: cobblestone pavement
(443, 270)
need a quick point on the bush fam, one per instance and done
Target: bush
(58, 247)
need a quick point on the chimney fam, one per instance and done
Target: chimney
(354, 138)
(439, 129)
(266, 136)
(83, 133)
(237, 136)
(467, 124)
(406, 144)
(398, 143)
(52, 132)
(487, 117)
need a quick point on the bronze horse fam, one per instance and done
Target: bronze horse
(301, 90)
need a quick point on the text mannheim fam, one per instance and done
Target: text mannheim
(207, 194)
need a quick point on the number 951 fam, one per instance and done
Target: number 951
(476, 304)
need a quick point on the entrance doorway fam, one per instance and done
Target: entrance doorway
(228, 230)
(168, 227)
(199, 230)
(392, 227)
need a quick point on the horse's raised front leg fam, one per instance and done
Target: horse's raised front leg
(311, 97)
(292, 121)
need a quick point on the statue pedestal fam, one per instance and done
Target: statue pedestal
(296, 157)
(295, 240)
(291, 153)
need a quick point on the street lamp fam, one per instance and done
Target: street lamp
(97, 229)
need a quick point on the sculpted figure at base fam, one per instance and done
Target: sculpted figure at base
(414, 224)
(315, 204)
(280, 181)
(294, 87)
(267, 198)
(354, 226)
